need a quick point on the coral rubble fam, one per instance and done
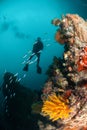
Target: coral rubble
(68, 75)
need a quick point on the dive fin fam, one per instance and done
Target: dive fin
(25, 67)
(39, 70)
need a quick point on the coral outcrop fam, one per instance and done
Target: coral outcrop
(68, 75)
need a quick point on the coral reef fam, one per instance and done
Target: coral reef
(68, 75)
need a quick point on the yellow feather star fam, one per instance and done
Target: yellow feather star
(55, 107)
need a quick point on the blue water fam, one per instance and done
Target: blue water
(21, 22)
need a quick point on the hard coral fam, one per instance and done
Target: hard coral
(55, 107)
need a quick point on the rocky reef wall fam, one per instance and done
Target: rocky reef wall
(67, 76)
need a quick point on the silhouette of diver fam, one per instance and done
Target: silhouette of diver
(37, 47)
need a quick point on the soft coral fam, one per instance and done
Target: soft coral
(82, 63)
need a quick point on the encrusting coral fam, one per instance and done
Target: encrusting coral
(56, 108)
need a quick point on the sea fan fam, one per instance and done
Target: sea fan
(56, 108)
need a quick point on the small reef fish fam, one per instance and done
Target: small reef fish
(40, 51)
(15, 74)
(24, 56)
(10, 78)
(19, 79)
(35, 42)
(48, 45)
(6, 97)
(32, 54)
(11, 81)
(27, 59)
(6, 85)
(11, 96)
(14, 94)
(35, 59)
(28, 62)
(16, 79)
(24, 75)
(5, 71)
(23, 62)
(31, 62)
(29, 51)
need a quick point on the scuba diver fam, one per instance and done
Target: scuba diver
(37, 47)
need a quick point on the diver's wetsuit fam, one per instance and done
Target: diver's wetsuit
(37, 47)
